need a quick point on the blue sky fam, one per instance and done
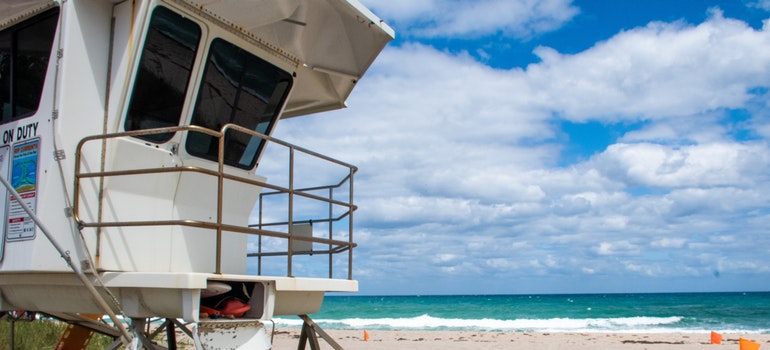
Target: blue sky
(556, 146)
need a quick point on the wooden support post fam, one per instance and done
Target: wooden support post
(310, 330)
(308, 335)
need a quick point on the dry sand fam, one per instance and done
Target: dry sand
(288, 338)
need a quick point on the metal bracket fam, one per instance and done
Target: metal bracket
(59, 154)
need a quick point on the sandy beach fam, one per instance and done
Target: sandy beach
(353, 339)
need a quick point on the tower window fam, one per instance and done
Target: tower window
(164, 73)
(25, 50)
(237, 88)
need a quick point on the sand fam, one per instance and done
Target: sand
(288, 338)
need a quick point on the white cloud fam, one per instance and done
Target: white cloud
(461, 172)
(646, 270)
(444, 258)
(762, 4)
(669, 243)
(616, 248)
(663, 70)
(714, 164)
(479, 18)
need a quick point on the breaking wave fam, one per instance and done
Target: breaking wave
(427, 322)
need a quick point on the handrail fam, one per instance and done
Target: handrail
(223, 175)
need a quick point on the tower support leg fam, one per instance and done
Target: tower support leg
(310, 332)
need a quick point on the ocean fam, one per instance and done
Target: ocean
(598, 313)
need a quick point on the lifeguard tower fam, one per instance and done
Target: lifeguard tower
(139, 180)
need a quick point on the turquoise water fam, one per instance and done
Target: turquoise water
(651, 313)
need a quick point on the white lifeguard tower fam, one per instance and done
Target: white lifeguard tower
(135, 158)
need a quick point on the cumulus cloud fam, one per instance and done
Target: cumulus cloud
(703, 165)
(461, 165)
(662, 70)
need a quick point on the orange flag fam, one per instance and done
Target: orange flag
(716, 338)
(366, 335)
(746, 344)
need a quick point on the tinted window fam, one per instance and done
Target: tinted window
(25, 50)
(163, 75)
(237, 88)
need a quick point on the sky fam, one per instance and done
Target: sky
(558, 146)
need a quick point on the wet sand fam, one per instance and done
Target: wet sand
(353, 339)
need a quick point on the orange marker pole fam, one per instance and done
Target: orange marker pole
(746, 344)
(716, 338)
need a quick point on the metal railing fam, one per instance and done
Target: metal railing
(260, 229)
(290, 224)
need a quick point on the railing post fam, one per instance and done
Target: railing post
(350, 226)
(259, 237)
(291, 211)
(331, 232)
(220, 193)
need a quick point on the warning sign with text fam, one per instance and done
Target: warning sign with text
(24, 180)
